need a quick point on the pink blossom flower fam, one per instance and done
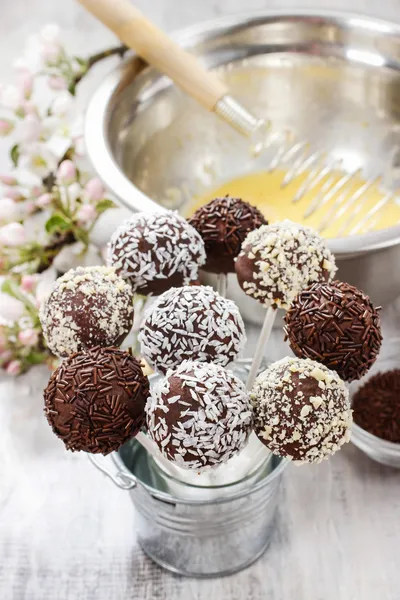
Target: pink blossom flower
(8, 180)
(5, 356)
(9, 210)
(94, 190)
(30, 129)
(44, 200)
(14, 193)
(6, 127)
(28, 337)
(79, 146)
(57, 83)
(66, 173)
(12, 235)
(11, 309)
(28, 282)
(25, 84)
(86, 213)
(14, 367)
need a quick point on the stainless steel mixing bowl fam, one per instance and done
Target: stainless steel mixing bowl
(330, 77)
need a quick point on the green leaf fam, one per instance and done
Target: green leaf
(7, 288)
(72, 88)
(36, 358)
(14, 154)
(104, 205)
(57, 223)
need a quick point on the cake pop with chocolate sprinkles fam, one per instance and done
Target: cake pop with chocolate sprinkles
(156, 251)
(199, 415)
(301, 410)
(95, 400)
(191, 323)
(87, 307)
(224, 224)
(337, 325)
(278, 261)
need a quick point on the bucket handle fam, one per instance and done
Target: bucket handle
(122, 480)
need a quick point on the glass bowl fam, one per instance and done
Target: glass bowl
(380, 450)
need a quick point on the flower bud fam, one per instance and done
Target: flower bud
(86, 213)
(28, 282)
(14, 367)
(94, 190)
(6, 127)
(12, 234)
(28, 337)
(66, 173)
(44, 200)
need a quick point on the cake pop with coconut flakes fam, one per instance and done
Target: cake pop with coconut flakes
(199, 415)
(191, 323)
(156, 251)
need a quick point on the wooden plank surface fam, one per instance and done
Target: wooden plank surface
(67, 533)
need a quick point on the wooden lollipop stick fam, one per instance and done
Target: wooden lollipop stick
(261, 344)
(222, 284)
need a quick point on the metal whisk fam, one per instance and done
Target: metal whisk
(323, 175)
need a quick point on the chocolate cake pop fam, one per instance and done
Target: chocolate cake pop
(199, 415)
(87, 307)
(155, 252)
(301, 410)
(278, 261)
(191, 323)
(95, 400)
(224, 224)
(337, 325)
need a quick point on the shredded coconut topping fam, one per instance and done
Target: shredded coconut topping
(87, 306)
(278, 261)
(152, 248)
(191, 323)
(199, 415)
(301, 410)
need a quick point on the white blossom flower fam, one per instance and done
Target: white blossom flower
(12, 235)
(38, 158)
(9, 210)
(11, 97)
(29, 129)
(11, 309)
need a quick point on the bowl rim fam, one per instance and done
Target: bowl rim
(358, 434)
(99, 151)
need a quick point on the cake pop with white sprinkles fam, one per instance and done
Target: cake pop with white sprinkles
(191, 323)
(301, 410)
(156, 251)
(87, 307)
(278, 261)
(199, 415)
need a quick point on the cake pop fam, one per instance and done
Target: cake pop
(224, 224)
(301, 410)
(278, 261)
(87, 307)
(95, 400)
(156, 251)
(337, 325)
(199, 415)
(191, 323)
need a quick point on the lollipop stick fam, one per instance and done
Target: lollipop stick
(222, 284)
(261, 344)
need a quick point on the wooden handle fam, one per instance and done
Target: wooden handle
(152, 44)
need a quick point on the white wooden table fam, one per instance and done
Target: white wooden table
(66, 533)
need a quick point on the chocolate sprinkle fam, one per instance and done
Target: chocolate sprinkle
(376, 406)
(95, 401)
(224, 224)
(337, 325)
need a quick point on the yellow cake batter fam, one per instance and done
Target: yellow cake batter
(264, 191)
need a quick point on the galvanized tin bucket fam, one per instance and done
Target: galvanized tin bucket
(198, 530)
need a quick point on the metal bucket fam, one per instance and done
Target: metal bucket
(196, 529)
(191, 536)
